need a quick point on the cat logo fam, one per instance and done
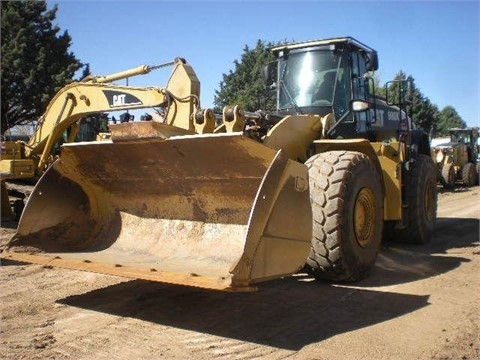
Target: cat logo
(121, 99)
(118, 100)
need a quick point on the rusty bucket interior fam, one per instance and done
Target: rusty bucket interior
(214, 211)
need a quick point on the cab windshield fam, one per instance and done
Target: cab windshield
(460, 137)
(313, 79)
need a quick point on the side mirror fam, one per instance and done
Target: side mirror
(359, 105)
(270, 73)
(372, 61)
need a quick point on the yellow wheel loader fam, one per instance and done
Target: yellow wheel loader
(314, 185)
(457, 159)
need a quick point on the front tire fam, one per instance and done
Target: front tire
(448, 176)
(469, 176)
(347, 205)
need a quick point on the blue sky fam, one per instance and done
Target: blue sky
(437, 42)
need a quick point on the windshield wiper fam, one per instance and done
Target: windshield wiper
(284, 86)
(292, 100)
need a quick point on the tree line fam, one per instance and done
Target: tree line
(36, 63)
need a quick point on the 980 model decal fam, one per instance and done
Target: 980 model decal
(121, 99)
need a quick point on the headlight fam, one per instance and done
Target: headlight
(440, 156)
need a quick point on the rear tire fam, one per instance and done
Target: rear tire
(347, 205)
(469, 176)
(421, 190)
(478, 173)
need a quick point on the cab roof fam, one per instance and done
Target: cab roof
(349, 41)
(467, 129)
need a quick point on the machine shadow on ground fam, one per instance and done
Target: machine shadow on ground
(288, 314)
(402, 263)
(293, 312)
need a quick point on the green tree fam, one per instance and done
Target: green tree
(403, 90)
(448, 118)
(244, 85)
(376, 87)
(425, 114)
(85, 72)
(36, 62)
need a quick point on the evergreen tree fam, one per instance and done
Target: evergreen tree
(403, 91)
(244, 85)
(85, 72)
(448, 118)
(36, 62)
(376, 88)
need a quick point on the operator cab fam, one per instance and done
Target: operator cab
(322, 77)
(469, 138)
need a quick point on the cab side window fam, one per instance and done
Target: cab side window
(360, 90)
(342, 89)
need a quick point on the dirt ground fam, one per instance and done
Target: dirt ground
(420, 302)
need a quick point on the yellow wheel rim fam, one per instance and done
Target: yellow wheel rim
(364, 217)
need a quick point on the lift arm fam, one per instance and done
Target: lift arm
(79, 99)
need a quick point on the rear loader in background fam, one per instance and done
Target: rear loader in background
(314, 185)
(457, 159)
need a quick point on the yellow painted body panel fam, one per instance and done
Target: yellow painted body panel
(389, 158)
(12, 150)
(17, 169)
(294, 134)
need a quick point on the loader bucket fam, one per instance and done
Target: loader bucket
(213, 211)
